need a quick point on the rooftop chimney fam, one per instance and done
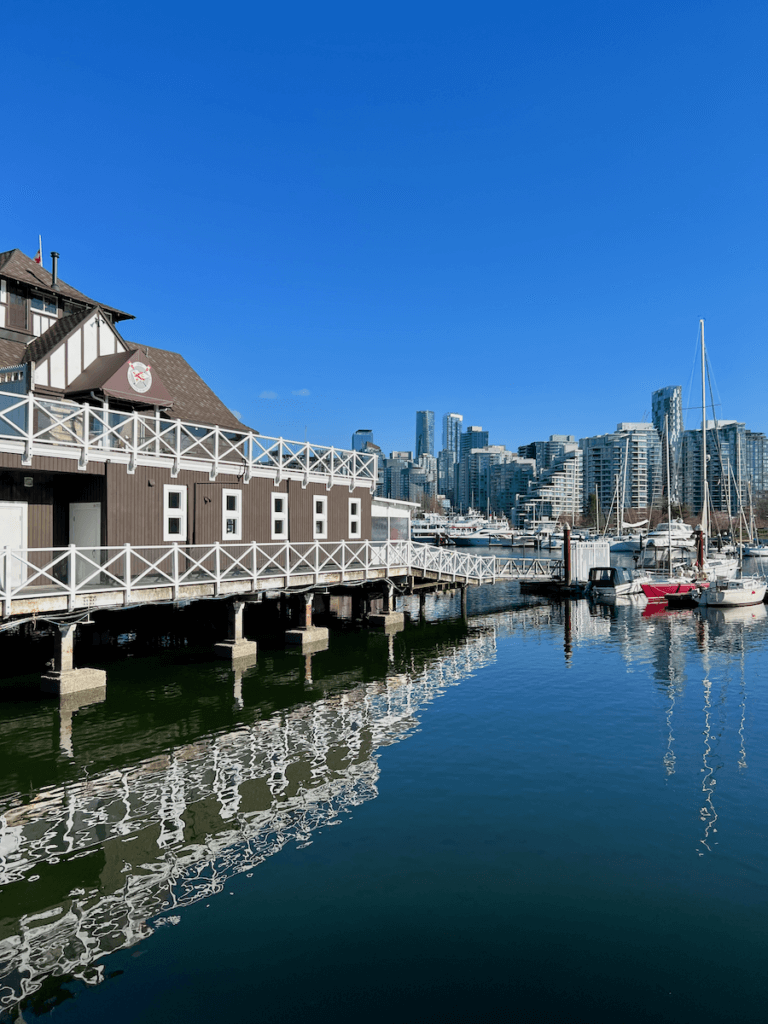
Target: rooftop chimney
(54, 269)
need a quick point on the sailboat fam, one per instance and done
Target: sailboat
(743, 590)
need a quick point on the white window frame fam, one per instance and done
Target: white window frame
(355, 518)
(45, 301)
(173, 513)
(320, 517)
(236, 514)
(280, 517)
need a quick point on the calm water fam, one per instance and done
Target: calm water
(547, 813)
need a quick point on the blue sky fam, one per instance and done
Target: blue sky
(513, 211)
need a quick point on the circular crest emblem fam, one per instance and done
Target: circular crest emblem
(140, 377)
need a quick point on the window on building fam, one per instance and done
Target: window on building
(320, 517)
(232, 515)
(354, 518)
(279, 517)
(175, 513)
(44, 304)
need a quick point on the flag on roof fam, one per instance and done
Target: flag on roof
(39, 257)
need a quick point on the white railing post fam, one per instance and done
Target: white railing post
(157, 430)
(343, 556)
(83, 461)
(217, 569)
(214, 471)
(254, 566)
(134, 442)
(27, 457)
(6, 581)
(175, 569)
(176, 449)
(317, 562)
(287, 561)
(127, 572)
(72, 572)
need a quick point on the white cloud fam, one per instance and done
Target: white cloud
(301, 391)
(268, 394)
(236, 414)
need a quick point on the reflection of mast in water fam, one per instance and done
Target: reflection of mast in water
(670, 674)
(568, 640)
(669, 758)
(742, 706)
(708, 814)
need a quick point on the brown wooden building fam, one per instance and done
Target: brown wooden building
(105, 443)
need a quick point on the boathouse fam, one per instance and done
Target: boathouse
(110, 443)
(125, 480)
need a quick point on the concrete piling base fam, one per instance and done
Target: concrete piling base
(74, 680)
(64, 678)
(310, 638)
(236, 650)
(390, 622)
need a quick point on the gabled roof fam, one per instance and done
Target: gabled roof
(57, 332)
(19, 267)
(61, 329)
(193, 400)
(109, 374)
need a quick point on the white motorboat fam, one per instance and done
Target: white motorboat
(675, 534)
(606, 583)
(735, 593)
(628, 542)
(487, 536)
(756, 550)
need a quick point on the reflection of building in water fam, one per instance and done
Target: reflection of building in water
(172, 829)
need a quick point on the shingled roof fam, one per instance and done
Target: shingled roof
(12, 353)
(19, 267)
(193, 400)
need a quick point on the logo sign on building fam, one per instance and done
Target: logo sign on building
(140, 377)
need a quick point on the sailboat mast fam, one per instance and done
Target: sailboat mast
(669, 498)
(704, 493)
(741, 503)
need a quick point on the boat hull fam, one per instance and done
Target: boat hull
(732, 597)
(483, 542)
(661, 590)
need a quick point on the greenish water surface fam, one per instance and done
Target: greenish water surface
(549, 812)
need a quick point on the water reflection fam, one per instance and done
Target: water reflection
(145, 840)
(95, 864)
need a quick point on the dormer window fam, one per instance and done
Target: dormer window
(44, 304)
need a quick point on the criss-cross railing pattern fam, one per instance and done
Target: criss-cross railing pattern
(80, 573)
(43, 426)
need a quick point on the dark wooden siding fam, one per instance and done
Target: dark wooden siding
(49, 499)
(132, 504)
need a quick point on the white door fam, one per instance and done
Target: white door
(85, 532)
(13, 534)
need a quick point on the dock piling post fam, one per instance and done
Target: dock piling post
(567, 553)
(64, 678)
(390, 620)
(464, 602)
(235, 647)
(307, 637)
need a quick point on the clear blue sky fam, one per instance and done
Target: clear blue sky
(514, 211)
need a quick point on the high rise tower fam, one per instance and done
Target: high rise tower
(425, 433)
(452, 423)
(667, 406)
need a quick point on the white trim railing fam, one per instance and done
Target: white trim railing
(31, 573)
(43, 426)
